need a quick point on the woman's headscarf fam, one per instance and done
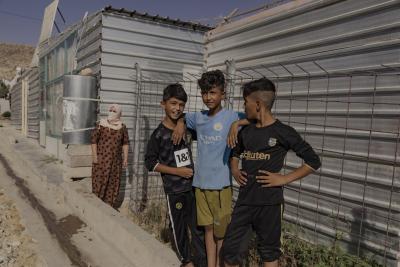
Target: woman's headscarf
(113, 120)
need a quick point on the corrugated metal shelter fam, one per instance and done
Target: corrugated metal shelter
(140, 55)
(336, 65)
(25, 103)
(123, 48)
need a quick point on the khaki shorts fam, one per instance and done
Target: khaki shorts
(214, 207)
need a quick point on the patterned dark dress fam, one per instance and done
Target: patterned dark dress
(106, 173)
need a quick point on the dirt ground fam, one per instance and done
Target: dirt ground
(15, 244)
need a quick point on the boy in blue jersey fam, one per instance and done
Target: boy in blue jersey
(212, 177)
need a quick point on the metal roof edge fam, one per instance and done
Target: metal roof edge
(157, 18)
(54, 41)
(276, 13)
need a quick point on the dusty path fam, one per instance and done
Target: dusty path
(42, 221)
(16, 246)
(62, 229)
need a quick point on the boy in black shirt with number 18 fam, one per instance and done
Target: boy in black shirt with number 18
(175, 164)
(262, 147)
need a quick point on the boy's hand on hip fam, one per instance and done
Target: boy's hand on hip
(94, 159)
(125, 163)
(271, 179)
(179, 132)
(184, 172)
(240, 177)
(232, 135)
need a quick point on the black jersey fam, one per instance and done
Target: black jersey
(160, 149)
(265, 149)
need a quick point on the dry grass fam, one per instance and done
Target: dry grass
(12, 56)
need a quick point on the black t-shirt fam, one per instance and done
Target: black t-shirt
(160, 149)
(265, 149)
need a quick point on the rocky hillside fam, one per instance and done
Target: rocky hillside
(12, 56)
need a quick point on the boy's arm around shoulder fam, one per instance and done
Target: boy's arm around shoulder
(232, 139)
(179, 131)
(303, 150)
(187, 119)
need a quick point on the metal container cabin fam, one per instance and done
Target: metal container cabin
(335, 64)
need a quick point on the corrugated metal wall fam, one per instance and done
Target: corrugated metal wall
(30, 75)
(336, 67)
(33, 103)
(16, 116)
(140, 55)
(89, 44)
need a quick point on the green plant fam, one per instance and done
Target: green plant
(301, 253)
(6, 114)
(4, 89)
(296, 251)
(153, 219)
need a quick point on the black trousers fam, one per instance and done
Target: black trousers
(265, 221)
(182, 215)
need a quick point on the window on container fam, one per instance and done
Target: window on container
(54, 109)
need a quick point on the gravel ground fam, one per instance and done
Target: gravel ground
(15, 244)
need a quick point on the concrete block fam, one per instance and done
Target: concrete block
(78, 161)
(78, 156)
(79, 150)
(133, 242)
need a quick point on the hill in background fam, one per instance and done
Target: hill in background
(12, 56)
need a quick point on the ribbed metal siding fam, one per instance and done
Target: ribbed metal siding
(330, 57)
(139, 53)
(16, 116)
(88, 54)
(33, 103)
(32, 76)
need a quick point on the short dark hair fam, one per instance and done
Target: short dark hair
(264, 87)
(210, 79)
(175, 90)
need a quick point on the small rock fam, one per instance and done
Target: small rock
(9, 249)
(15, 243)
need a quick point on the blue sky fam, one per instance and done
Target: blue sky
(20, 20)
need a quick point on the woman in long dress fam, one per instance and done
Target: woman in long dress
(110, 145)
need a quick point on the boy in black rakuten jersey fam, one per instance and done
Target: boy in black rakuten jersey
(262, 147)
(175, 163)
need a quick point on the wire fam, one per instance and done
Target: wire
(19, 15)
(61, 15)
